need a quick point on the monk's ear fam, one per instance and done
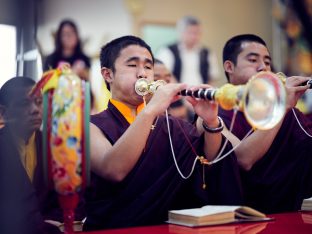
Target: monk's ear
(107, 74)
(228, 66)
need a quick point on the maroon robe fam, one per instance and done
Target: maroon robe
(21, 201)
(280, 180)
(154, 186)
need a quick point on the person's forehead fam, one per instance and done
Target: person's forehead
(135, 51)
(160, 67)
(68, 28)
(193, 27)
(248, 47)
(20, 93)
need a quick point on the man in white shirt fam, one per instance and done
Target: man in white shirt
(190, 62)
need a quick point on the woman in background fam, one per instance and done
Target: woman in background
(68, 49)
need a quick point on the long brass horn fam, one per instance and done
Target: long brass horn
(262, 99)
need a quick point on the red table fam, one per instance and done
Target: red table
(295, 222)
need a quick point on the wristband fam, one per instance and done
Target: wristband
(214, 130)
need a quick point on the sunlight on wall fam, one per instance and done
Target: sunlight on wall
(8, 52)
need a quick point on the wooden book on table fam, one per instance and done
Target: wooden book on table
(306, 218)
(214, 215)
(219, 229)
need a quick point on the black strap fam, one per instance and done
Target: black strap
(177, 67)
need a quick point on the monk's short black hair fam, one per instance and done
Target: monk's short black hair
(8, 90)
(233, 46)
(157, 61)
(111, 51)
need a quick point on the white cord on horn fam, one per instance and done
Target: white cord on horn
(173, 154)
(293, 110)
(217, 159)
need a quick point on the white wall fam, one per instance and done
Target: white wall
(98, 20)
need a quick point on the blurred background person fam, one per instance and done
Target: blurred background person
(25, 196)
(23, 118)
(188, 60)
(1, 116)
(68, 49)
(161, 72)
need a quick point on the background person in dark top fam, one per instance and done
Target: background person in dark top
(68, 49)
(189, 61)
(25, 200)
(161, 72)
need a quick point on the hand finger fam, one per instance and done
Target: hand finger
(296, 80)
(300, 88)
(202, 86)
(191, 100)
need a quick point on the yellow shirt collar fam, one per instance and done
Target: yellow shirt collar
(28, 155)
(126, 111)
